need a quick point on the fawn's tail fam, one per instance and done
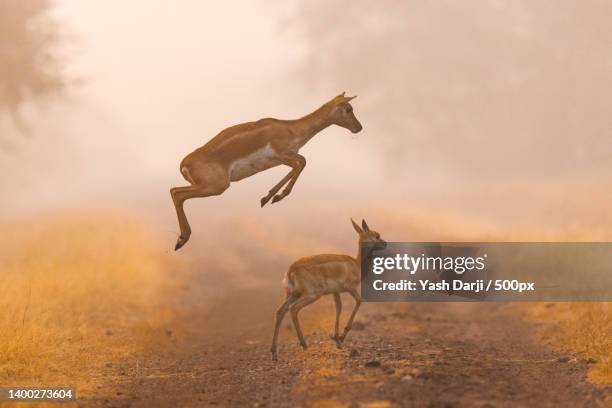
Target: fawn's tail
(288, 282)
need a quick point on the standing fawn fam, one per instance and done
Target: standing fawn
(243, 150)
(329, 274)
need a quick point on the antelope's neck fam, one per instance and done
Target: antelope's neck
(311, 124)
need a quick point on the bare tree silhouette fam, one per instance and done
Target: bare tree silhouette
(29, 66)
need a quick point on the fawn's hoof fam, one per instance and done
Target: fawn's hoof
(336, 339)
(180, 242)
(265, 200)
(277, 198)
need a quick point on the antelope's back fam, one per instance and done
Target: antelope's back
(244, 138)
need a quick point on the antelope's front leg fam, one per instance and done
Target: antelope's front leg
(297, 164)
(275, 189)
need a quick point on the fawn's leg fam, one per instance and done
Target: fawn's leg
(297, 163)
(280, 314)
(349, 324)
(338, 302)
(295, 308)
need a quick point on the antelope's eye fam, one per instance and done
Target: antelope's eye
(348, 109)
(377, 236)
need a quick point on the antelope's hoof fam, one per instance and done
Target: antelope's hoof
(277, 198)
(274, 356)
(180, 242)
(265, 200)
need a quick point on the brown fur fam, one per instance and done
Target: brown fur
(242, 150)
(312, 277)
(327, 273)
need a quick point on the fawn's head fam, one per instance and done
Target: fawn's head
(368, 236)
(342, 113)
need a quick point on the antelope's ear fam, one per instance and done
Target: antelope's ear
(364, 225)
(357, 228)
(342, 94)
(349, 98)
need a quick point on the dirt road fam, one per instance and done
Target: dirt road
(402, 354)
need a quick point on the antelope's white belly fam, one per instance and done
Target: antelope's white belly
(255, 162)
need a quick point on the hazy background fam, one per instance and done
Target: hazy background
(492, 114)
(483, 120)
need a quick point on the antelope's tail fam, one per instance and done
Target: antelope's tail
(186, 174)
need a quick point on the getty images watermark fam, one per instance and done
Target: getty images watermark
(487, 271)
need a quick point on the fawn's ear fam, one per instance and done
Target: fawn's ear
(364, 225)
(357, 228)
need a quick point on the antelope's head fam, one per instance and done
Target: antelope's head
(368, 236)
(342, 113)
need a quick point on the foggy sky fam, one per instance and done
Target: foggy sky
(490, 88)
(494, 107)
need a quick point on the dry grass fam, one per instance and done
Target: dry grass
(580, 329)
(77, 292)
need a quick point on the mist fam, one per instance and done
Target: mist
(491, 88)
(493, 110)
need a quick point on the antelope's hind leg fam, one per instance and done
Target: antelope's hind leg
(207, 181)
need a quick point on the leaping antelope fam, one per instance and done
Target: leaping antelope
(240, 151)
(310, 278)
